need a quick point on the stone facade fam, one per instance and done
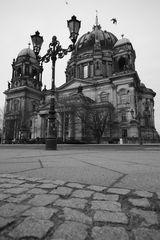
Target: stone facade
(100, 75)
(22, 96)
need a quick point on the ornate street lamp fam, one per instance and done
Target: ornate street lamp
(37, 41)
(74, 26)
(55, 50)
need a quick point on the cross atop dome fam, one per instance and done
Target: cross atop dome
(97, 25)
(97, 18)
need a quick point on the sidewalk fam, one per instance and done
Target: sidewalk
(37, 208)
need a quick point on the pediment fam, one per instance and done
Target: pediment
(74, 84)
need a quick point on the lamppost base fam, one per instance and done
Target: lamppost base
(51, 144)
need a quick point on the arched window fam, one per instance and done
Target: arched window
(123, 117)
(104, 97)
(85, 71)
(34, 73)
(19, 72)
(124, 133)
(123, 97)
(121, 64)
(34, 106)
(16, 105)
(26, 69)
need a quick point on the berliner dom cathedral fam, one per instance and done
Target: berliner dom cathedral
(102, 100)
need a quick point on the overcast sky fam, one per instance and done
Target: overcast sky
(138, 20)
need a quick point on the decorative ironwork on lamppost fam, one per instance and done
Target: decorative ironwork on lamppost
(55, 51)
(138, 118)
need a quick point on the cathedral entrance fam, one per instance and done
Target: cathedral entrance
(10, 133)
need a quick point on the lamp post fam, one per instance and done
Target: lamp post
(138, 118)
(55, 51)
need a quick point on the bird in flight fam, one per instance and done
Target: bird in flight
(66, 2)
(114, 20)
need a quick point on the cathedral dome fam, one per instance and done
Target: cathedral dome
(87, 41)
(122, 41)
(27, 52)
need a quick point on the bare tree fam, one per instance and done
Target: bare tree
(95, 118)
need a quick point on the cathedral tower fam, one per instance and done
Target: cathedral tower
(22, 96)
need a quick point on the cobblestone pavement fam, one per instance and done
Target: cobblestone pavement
(36, 208)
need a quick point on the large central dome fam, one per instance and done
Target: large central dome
(88, 40)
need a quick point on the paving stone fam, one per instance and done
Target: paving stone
(143, 194)
(96, 188)
(17, 190)
(109, 233)
(106, 205)
(63, 191)
(29, 185)
(146, 234)
(82, 193)
(114, 217)
(7, 175)
(59, 182)
(21, 177)
(120, 191)
(32, 179)
(37, 191)
(139, 202)
(149, 217)
(40, 212)
(71, 231)
(105, 209)
(3, 196)
(108, 197)
(75, 185)
(5, 221)
(7, 185)
(31, 227)
(17, 182)
(76, 216)
(48, 186)
(10, 209)
(18, 198)
(45, 181)
(43, 199)
(72, 203)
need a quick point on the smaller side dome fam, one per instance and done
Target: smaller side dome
(27, 53)
(121, 42)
